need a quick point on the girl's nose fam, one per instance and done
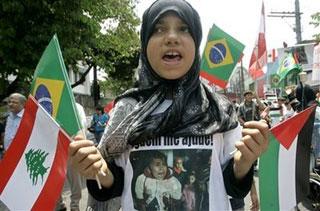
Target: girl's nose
(172, 37)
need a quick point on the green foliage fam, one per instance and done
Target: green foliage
(316, 22)
(120, 76)
(26, 27)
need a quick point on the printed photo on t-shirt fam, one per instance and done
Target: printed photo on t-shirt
(175, 179)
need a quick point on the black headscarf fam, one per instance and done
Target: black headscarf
(195, 110)
(305, 95)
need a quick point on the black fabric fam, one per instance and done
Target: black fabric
(195, 111)
(115, 190)
(237, 203)
(234, 187)
(305, 95)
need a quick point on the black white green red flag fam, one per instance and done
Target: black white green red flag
(284, 168)
(34, 167)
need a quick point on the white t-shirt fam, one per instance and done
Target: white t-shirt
(202, 154)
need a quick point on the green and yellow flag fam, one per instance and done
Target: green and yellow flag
(51, 88)
(288, 65)
(220, 56)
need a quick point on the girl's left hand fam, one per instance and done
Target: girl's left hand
(253, 143)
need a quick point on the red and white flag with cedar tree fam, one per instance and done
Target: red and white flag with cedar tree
(284, 167)
(258, 59)
(33, 169)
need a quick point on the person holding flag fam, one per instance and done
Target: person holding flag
(170, 108)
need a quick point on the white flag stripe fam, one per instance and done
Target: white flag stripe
(25, 193)
(287, 176)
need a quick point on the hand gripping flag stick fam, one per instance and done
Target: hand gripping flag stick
(101, 172)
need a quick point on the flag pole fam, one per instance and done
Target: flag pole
(242, 80)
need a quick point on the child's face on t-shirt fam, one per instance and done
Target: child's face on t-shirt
(158, 169)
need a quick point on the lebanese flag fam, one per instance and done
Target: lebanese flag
(33, 169)
(284, 168)
(258, 59)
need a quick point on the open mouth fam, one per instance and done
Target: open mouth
(172, 56)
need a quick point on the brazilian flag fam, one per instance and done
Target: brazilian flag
(51, 88)
(220, 56)
(288, 65)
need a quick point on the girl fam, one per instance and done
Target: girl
(171, 107)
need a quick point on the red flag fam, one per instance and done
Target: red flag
(285, 132)
(259, 54)
(109, 106)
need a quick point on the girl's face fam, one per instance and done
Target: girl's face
(171, 49)
(158, 169)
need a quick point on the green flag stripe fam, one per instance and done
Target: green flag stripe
(68, 119)
(268, 176)
(71, 122)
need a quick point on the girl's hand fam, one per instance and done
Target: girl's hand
(85, 157)
(253, 143)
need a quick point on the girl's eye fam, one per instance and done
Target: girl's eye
(158, 29)
(185, 29)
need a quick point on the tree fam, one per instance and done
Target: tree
(316, 22)
(95, 32)
(120, 76)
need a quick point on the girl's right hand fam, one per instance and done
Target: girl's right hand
(85, 157)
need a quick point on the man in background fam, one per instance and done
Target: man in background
(16, 104)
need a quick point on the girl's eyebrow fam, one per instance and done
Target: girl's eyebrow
(160, 22)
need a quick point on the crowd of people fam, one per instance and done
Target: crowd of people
(171, 143)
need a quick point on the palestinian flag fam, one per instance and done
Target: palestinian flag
(284, 168)
(220, 56)
(34, 167)
(51, 88)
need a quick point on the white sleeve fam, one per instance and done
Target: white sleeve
(139, 186)
(175, 188)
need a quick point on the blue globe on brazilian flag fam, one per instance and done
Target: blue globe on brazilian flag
(217, 53)
(220, 56)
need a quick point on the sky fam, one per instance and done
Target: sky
(241, 19)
